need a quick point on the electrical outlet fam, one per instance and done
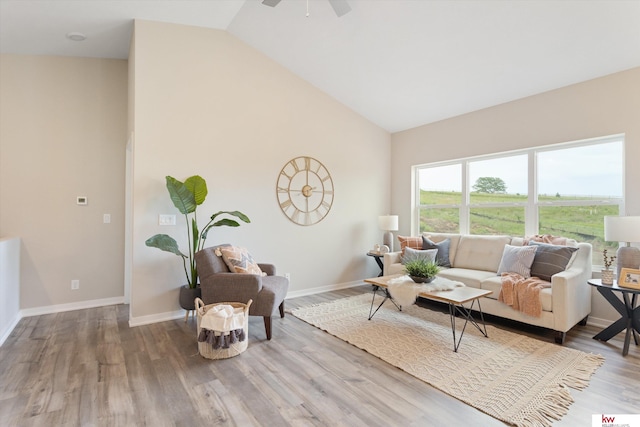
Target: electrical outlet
(75, 284)
(287, 276)
(106, 218)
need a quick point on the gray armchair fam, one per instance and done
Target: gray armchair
(218, 284)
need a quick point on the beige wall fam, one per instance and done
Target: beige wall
(62, 135)
(208, 104)
(203, 102)
(605, 106)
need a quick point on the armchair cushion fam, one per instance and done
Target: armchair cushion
(239, 260)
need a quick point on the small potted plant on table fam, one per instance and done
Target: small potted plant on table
(607, 273)
(421, 270)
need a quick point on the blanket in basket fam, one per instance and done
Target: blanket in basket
(222, 325)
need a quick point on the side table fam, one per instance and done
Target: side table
(628, 309)
(378, 257)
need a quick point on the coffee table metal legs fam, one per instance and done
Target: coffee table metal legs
(387, 296)
(468, 317)
(454, 310)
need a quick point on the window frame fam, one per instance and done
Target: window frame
(531, 205)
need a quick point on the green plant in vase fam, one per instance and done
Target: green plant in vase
(186, 197)
(421, 270)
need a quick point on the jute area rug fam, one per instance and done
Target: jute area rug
(514, 378)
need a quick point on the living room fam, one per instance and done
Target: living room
(192, 100)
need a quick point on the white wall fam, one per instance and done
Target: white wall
(605, 106)
(63, 135)
(206, 103)
(9, 285)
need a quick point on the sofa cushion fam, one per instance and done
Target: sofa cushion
(411, 254)
(442, 256)
(517, 259)
(471, 278)
(550, 259)
(239, 260)
(411, 242)
(477, 252)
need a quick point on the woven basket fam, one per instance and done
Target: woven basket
(205, 349)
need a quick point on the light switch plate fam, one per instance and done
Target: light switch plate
(166, 220)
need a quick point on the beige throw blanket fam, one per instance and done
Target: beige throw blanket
(522, 294)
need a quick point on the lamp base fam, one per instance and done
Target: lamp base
(627, 257)
(387, 239)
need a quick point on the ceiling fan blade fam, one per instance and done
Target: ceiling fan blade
(340, 7)
(272, 3)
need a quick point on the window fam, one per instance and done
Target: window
(441, 198)
(563, 190)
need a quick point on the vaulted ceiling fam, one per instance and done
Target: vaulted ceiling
(399, 63)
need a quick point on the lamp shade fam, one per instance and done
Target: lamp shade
(622, 228)
(388, 222)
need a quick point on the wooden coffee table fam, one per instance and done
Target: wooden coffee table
(455, 298)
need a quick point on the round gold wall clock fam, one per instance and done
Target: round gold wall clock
(305, 190)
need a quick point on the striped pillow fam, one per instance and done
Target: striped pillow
(517, 259)
(550, 259)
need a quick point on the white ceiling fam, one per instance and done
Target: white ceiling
(399, 63)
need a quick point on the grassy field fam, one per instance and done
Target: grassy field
(582, 223)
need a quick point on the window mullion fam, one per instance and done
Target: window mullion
(531, 215)
(464, 206)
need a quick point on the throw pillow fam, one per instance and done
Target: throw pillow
(411, 254)
(411, 242)
(517, 259)
(442, 258)
(239, 260)
(550, 259)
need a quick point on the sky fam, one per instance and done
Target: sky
(592, 170)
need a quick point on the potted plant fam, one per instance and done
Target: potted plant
(421, 270)
(186, 197)
(607, 273)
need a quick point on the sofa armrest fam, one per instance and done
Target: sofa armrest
(390, 258)
(571, 294)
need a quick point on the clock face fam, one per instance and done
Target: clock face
(305, 190)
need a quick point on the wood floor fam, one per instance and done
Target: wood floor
(88, 368)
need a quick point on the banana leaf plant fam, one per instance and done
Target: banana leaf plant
(186, 197)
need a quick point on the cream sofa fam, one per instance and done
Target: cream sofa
(475, 261)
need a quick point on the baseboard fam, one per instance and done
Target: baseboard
(155, 318)
(172, 315)
(600, 323)
(80, 305)
(321, 289)
(7, 332)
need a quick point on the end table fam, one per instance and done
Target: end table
(378, 257)
(628, 309)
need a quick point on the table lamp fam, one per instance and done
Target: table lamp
(624, 229)
(388, 223)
